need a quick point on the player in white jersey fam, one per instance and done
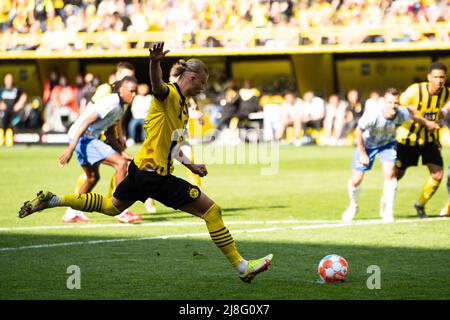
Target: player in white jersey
(84, 135)
(375, 134)
(115, 139)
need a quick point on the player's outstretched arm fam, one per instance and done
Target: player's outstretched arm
(430, 125)
(199, 169)
(444, 112)
(115, 142)
(157, 53)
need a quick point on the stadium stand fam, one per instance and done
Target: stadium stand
(84, 25)
(307, 32)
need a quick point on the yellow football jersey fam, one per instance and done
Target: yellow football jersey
(428, 106)
(164, 126)
(102, 90)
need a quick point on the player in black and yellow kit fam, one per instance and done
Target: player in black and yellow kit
(414, 140)
(195, 118)
(150, 173)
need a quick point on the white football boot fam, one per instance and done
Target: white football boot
(350, 213)
(445, 211)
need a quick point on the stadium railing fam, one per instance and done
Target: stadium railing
(248, 40)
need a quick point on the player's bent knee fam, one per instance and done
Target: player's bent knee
(121, 165)
(389, 175)
(93, 179)
(357, 180)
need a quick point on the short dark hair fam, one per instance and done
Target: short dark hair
(393, 91)
(437, 66)
(125, 65)
(118, 84)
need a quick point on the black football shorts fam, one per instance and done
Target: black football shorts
(408, 156)
(170, 190)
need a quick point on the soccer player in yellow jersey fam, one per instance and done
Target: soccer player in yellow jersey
(150, 173)
(414, 140)
(115, 139)
(194, 115)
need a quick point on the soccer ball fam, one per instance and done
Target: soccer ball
(333, 268)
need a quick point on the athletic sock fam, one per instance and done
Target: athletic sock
(2, 136)
(389, 193)
(9, 137)
(448, 187)
(241, 267)
(112, 186)
(428, 190)
(80, 181)
(353, 193)
(88, 202)
(221, 236)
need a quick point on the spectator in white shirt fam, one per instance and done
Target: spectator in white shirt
(313, 111)
(290, 115)
(334, 118)
(139, 110)
(374, 101)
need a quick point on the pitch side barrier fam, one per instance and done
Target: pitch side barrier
(249, 41)
(36, 137)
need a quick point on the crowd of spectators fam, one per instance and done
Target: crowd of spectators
(12, 102)
(277, 111)
(60, 104)
(288, 117)
(61, 20)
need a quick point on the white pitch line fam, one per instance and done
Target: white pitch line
(201, 234)
(161, 224)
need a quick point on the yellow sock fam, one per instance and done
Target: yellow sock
(233, 123)
(220, 234)
(429, 189)
(2, 136)
(9, 137)
(80, 181)
(112, 187)
(89, 202)
(290, 134)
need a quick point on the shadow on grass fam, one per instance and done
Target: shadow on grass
(170, 214)
(193, 268)
(228, 209)
(254, 207)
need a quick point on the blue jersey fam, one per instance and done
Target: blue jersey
(379, 131)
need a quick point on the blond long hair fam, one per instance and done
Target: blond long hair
(191, 65)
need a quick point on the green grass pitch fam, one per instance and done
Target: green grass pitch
(293, 214)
